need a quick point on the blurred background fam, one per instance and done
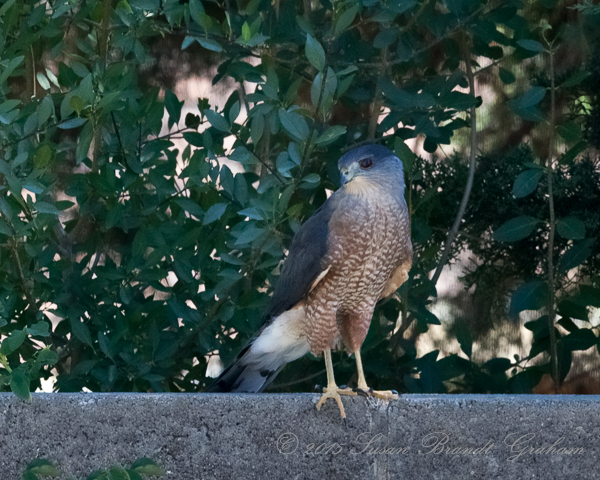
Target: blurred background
(158, 156)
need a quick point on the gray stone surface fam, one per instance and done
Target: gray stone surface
(222, 436)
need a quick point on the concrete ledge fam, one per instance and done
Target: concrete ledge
(223, 436)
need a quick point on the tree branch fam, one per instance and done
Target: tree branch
(472, 162)
(551, 286)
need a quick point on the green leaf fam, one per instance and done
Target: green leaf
(531, 45)
(295, 153)
(252, 213)
(133, 475)
(345, 20)
(497, 365)
(249, 234)
(226, 179)
(581, 339)
(29, 476)
(192, 121)
(516, 229)
(194, 138)
(45, 207)
(31, 124)
(52, 78)
(9, 105)
(328, 90)
(42, 156)
(81, 331)
(234, 112)
(458, 101)
(405, 154)
(43, 81)
(531, 114)
(217, 120)
(173, 106)
(525, 106)
(210, 44)
(246, 33)
(98, 475)
(284, 164)
(46, 109)
(215, 212)
(564, 360)
(47, 356)
(257, 128)
(312, 178)
(117, 473)
(190, 206)
(573, 152)
(41, 466)
(6, 6)
(532, 97)
(526, 182)
(571, 228)
(196, 9)
(294, 124)
(315, 53)
(506, 76)
(72, 123)
(145, 466)
(386, 37)
(588, 296)
(575, 79)
(11, 67)
(40, 329)
(568, 324)
(13, 341)
(570, 309)
(576, 255)
(465, 340)
(570, 131)
(19, 384)
(105, 345)
(529, 296)
(125, 294)
(331, 135)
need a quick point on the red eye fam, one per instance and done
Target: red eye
(366, 163)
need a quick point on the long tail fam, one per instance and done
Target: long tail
(256, 366)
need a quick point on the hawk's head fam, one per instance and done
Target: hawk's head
(371, 164)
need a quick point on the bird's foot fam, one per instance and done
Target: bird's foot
(383, 394)
(334, 392)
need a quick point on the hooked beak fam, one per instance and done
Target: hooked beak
(346, 175)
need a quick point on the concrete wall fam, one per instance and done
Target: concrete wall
(209, 437)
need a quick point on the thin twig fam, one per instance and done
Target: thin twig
(22, 280)
(491, 65)
(268, 167)
(378, 98)
(472, 162)
(551, 286)
(416, 53)
(112, 115)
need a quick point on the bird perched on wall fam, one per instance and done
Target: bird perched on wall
(353, 251)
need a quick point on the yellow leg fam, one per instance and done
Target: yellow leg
(332, 390)
(364, 388)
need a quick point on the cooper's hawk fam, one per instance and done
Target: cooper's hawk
(354, 251)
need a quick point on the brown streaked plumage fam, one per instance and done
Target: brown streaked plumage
(352, 252)
(367, 245)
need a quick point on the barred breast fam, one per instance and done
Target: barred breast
(368, 240)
